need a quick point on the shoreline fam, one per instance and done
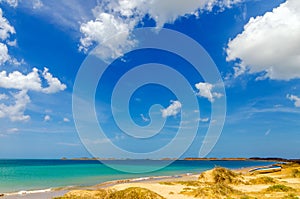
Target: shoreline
(215, 183)
(60, 191)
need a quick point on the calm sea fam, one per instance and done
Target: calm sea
(18, 175)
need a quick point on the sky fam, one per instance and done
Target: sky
(254, 46)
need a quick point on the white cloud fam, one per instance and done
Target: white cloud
(4, 56)
(9, 132)
(206, 119)
(66, 14)
(102, 29)
(15, 111)
(172, 110)
(13, 3)
(294, 99)
(117, 16)
(14, 108)
(206, 90)
(37, 4)
(270, 44)
(31, 81)
(47, 118)
(13, 130)
(24, 83)
(54, 85)
(5, 28)
(66, 119)
(17, 80)
(12, 43)
(3, 96)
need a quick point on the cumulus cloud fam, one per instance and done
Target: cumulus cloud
(206, 90)
(112, 17)
(15, 106)
(54, 85)
(294, 99)
(102, 29)
(269, 44)
(172, 110)
(47, 118)
(15, 111)
(24, 83)
(13, 3)
(5, 28)
(31, 81)
(4, 56)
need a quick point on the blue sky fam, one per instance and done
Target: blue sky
(254, 45)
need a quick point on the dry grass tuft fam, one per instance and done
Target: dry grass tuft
(129, 193)
(262, 180)
(86, 194)
(291, 196)
(221, 175)
(186, 183)
(295, 173)
(279, 188)
(135, 193)
(212, 191)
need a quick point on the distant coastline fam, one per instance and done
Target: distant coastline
(271, 159)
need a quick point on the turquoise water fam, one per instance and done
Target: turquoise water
(17, 175)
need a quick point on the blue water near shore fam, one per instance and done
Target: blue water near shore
(18, 175)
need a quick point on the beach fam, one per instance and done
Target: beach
(215, 183)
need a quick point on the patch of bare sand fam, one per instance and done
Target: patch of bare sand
(167, 191)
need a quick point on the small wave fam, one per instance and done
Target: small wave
(23, 192)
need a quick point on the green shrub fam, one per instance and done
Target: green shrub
(279, 188)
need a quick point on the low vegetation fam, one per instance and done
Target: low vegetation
(186, 183)
(129, 193)
(135, 193)
(86, 194)
(221, 175)
(262, 180)
(295, 173)
(291, 196)
(279, 188)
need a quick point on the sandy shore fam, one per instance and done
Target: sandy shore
(40, 195)
(216, 183)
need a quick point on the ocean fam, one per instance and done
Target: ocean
(26, 175)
